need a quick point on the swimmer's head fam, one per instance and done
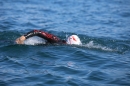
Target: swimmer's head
(74, 39)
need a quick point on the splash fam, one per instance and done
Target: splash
(92, 45)
(34, 41)
(37, 40)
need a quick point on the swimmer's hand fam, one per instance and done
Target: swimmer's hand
(20, 40)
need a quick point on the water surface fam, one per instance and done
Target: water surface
(102, 25)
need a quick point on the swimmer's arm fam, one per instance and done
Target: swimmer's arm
(21, 39)
(49, 37)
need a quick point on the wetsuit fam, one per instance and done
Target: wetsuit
(47, 36)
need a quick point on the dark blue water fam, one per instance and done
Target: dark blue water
(102, 25)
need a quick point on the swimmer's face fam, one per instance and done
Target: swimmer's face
(74, 39)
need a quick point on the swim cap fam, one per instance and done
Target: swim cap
(74, 39)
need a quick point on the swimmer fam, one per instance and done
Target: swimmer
(50, 38)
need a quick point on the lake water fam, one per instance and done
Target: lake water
(103, 59)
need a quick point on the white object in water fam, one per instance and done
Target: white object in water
(34, 40)
(74, 39)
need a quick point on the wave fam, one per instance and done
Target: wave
(37, 40)
(103, 44)
(92, 45)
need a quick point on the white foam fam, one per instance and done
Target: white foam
(37, 40)
(34, 40)
(97, 46)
